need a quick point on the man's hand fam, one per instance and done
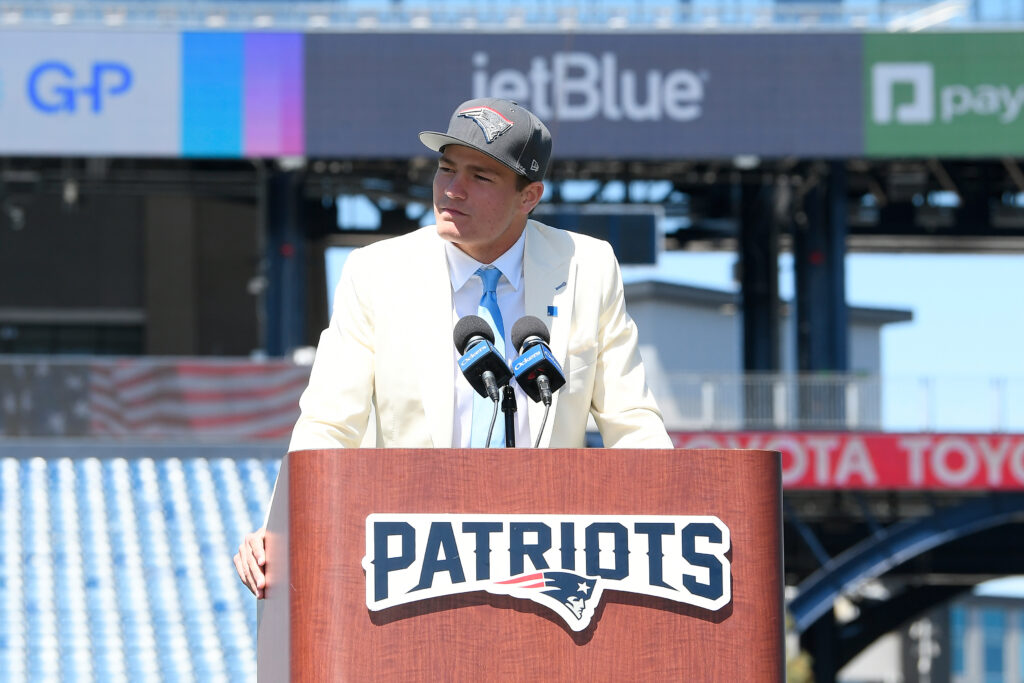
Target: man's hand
(249, 562)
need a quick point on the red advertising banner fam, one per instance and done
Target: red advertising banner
(846, 460)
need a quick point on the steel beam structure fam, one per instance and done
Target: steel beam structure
(834, 644)
(285, 264)
(759, 264)
(894, 545)
(819, 245)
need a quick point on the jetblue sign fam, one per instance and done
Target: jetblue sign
(580, 86)
(54, 87)
(646, 96)
(563, 562)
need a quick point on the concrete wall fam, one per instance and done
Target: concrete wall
(691, 342)
(698, 338)
(690, 338)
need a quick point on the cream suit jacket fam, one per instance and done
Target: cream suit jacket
(389, 345)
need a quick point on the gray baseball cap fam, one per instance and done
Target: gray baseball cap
(501, 129)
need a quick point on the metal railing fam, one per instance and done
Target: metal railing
(238, 400)
(497, 15)
(735, 402)
(841, 402)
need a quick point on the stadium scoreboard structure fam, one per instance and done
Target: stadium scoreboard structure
(641, 96)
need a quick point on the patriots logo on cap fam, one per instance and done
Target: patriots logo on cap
(490, 121)
(567, 590)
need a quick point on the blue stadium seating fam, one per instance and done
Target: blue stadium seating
(301, 15)
(119, 569)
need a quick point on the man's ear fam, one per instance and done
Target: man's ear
(531, 196)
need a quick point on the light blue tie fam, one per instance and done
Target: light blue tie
(483, 407)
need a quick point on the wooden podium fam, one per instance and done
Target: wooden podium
(314, 624)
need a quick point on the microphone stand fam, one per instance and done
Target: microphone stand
(508, 406)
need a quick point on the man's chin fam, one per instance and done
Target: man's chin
(449, 232)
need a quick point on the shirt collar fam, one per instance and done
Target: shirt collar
(462, 266)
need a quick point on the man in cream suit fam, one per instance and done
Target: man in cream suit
(388, 350)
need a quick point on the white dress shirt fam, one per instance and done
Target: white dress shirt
(467, 289)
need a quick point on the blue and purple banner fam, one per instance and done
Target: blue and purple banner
(242, 95)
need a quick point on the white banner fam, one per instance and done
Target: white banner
(90, 93)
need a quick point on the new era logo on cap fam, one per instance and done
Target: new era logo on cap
(491, 122)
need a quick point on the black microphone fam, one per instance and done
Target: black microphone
(481, 363)
(536, 369)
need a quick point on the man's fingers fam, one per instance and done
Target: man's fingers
(249, 562)
(243, 572)
(255, 541)
(255, 571)
(246, 558)
(257, 575)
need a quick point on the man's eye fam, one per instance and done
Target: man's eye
(483, 178)
(444, 169)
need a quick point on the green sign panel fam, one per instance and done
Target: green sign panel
(944, 94)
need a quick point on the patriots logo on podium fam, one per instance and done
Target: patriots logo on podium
(491, 122)
(562, 562)
(571, 595)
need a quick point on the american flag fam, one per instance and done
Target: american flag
(185, 398)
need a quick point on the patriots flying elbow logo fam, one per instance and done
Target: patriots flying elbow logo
(490, 121)
(571, 595)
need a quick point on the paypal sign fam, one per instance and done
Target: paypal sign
(54, 86)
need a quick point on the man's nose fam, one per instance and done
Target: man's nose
(454, 190)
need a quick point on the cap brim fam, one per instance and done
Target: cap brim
(436, 141)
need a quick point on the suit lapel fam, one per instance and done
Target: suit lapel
(431, 336)
(550, 280)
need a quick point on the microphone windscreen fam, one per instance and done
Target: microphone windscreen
(469, 327)
(526, 327)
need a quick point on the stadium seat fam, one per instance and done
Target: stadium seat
(117, 569)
